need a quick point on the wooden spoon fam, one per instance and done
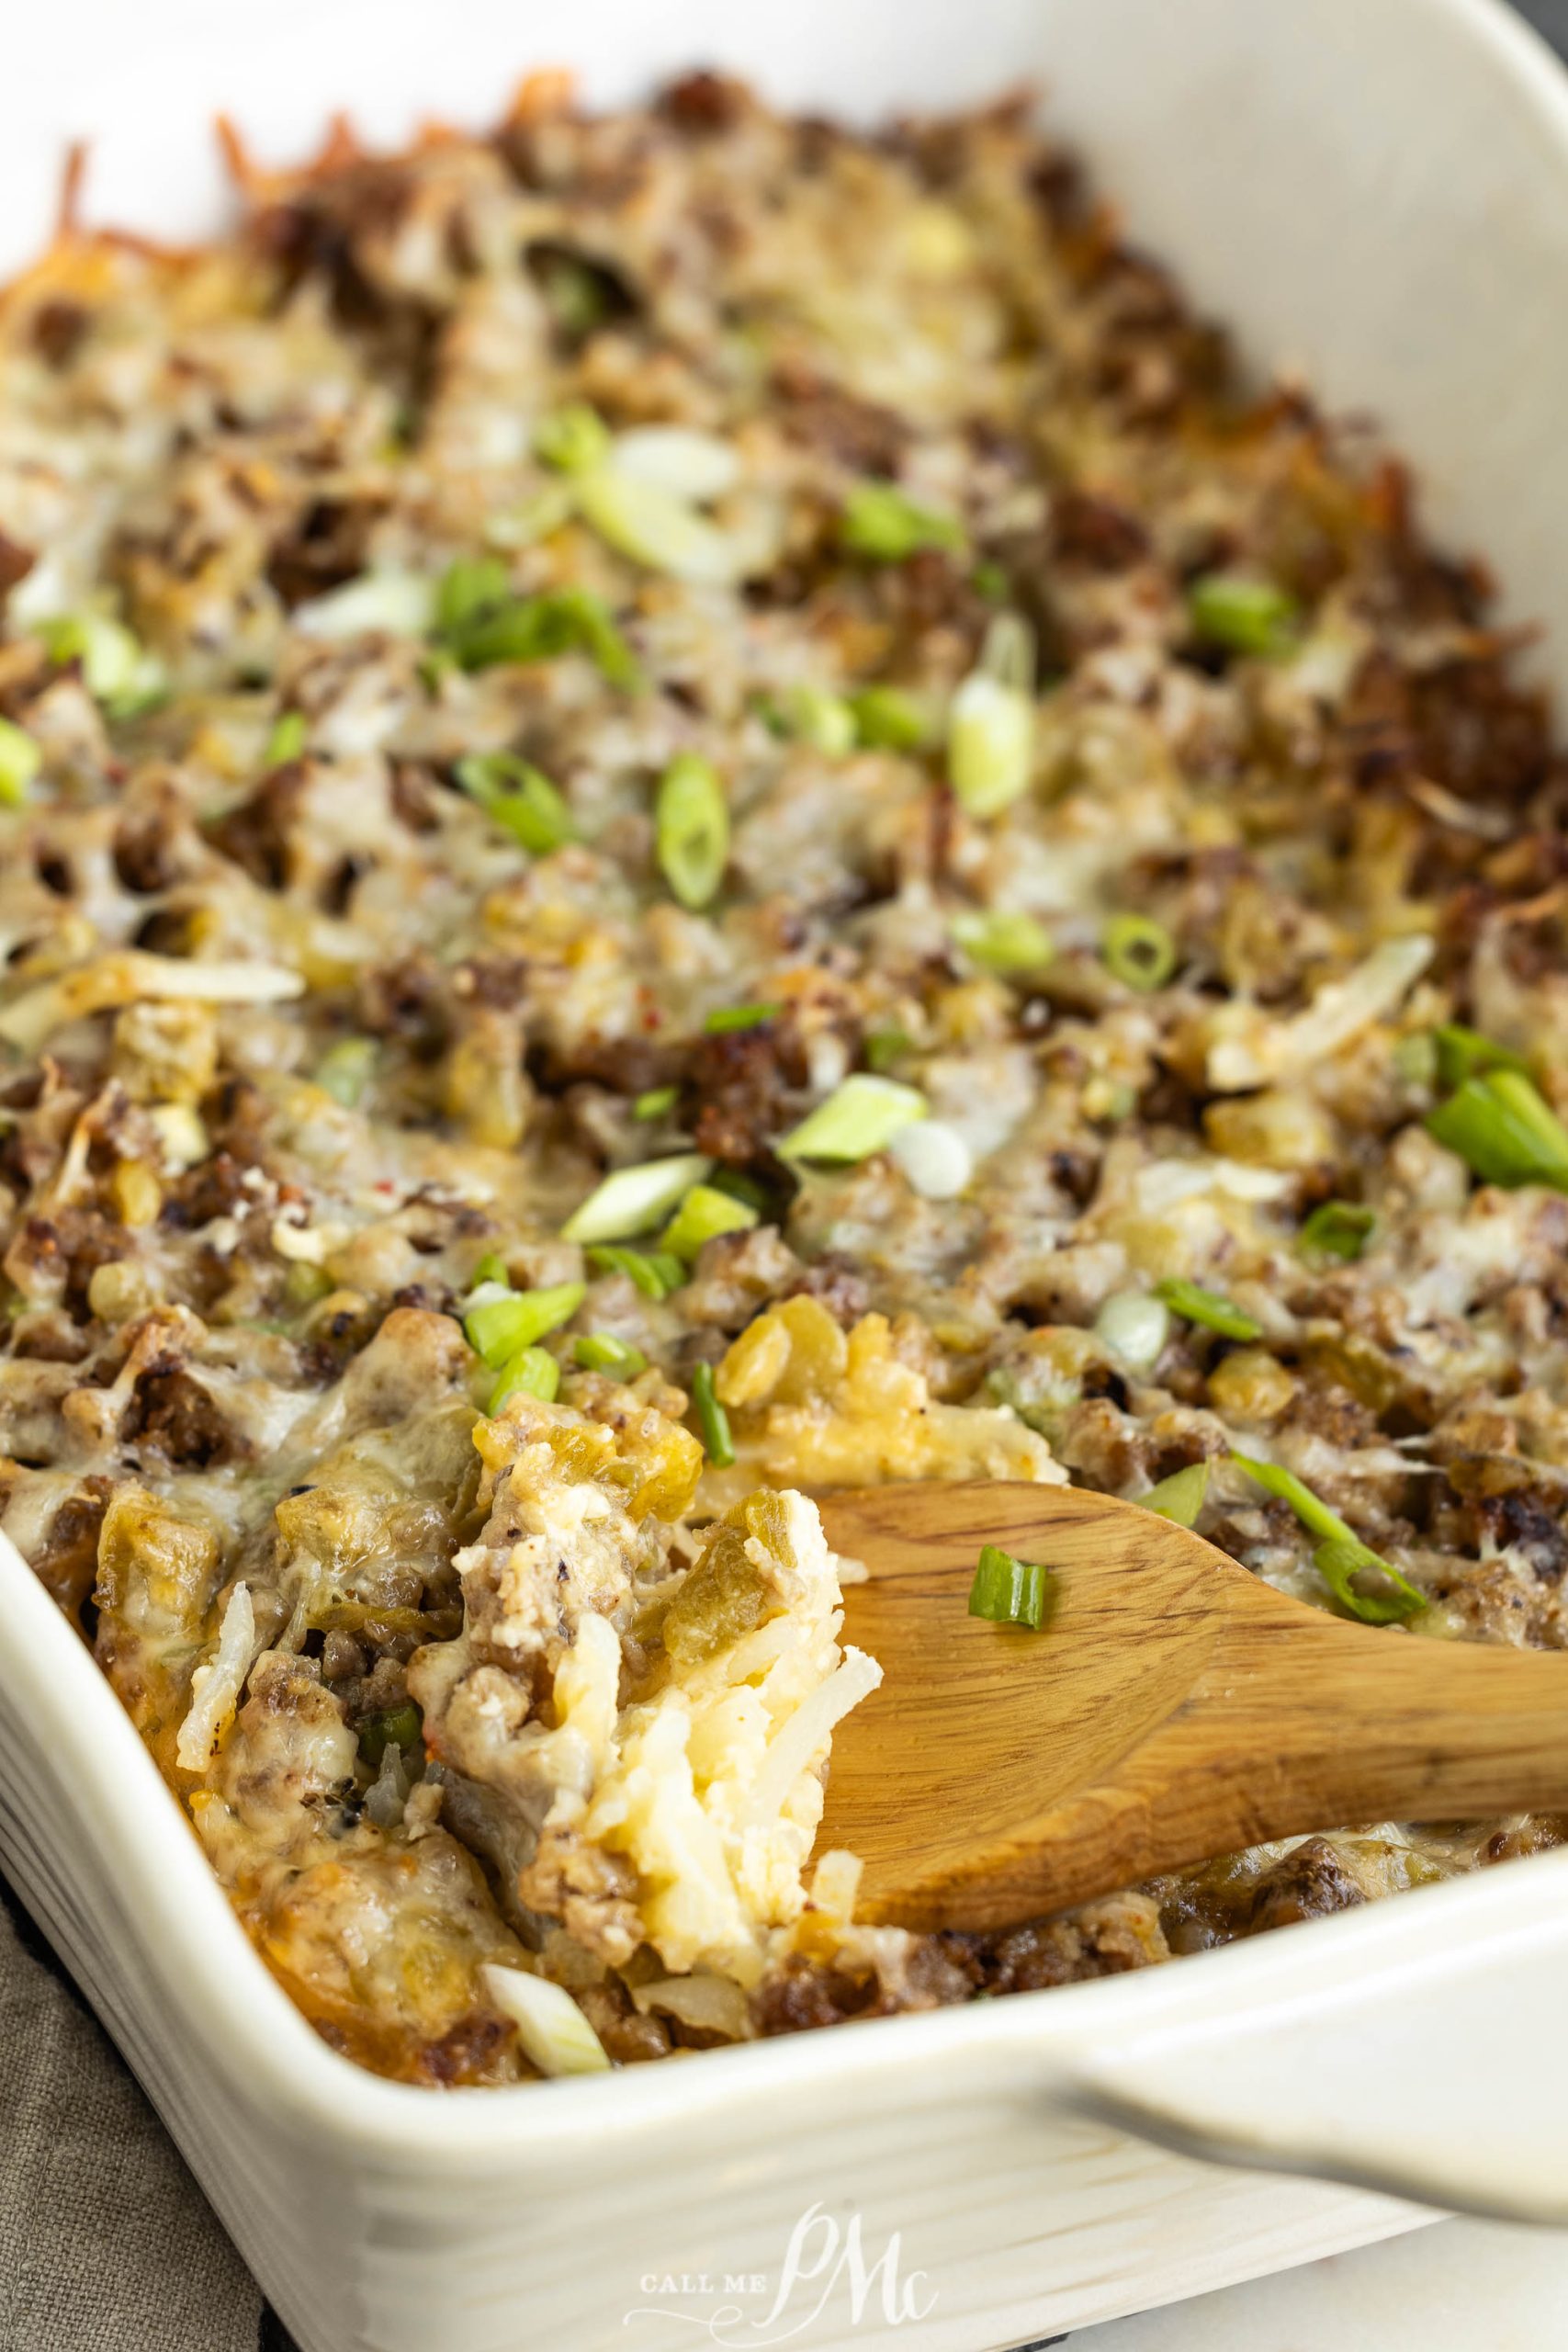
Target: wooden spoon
(1174, 1708)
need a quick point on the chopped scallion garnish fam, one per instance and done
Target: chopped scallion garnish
(861, 1117)
(888, 720)
(740, 1016)
(1003, 941)
(657, 1102)
(1180, 1497)
(534, 1372)
(990, 728)
(1209, 1308)
(346, 1068)
(1341, 1555)
(886, 1048)
(1339, 1563)
(601, 1351)
(1246, 615)
(704, 1215)
(401, 1727)
(116, 669)
(1134, 1325)
(518, 797)
(1338, 1228)
(634, 1200)
(572, 438)
(1462, 1053)
(653, 1272)
(287, 740)
(654, 527)
(20, 760)
(692, 823)
(468, 591)
(1503, 1127)
(1009, 1591)
(880, 523)
(537, 628)
(500, 1329)
(1140, 952)
(712, 1418)
(812, 714)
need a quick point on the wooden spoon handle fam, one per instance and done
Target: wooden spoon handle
(1333, 1721)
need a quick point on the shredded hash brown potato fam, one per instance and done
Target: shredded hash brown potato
(586, 655)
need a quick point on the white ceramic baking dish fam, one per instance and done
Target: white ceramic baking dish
(1376, 190)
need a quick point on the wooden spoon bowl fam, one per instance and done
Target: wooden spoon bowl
(1175, 1707)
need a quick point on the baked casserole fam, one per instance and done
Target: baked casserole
(699, 808)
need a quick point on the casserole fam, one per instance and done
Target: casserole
(800, 2072)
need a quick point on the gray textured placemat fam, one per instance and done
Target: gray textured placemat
(107, 2245)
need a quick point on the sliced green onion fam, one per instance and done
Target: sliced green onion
(1209, 1308)
(499, 1328)
(346, 1070)
(381, 604)
(537, 629)
(824, 720)
(1245, 615)
(572, 438)
(1140, 952)
(518, 797)
(879, 522)
(692, 464)
(990, 727)
(1180, 1497)
(1313, 1514)
(533, 1372)
(634, 1200)
(1338, 1228)
(1134, 1325)
(400, 1726)
(1339, 1563)
(1004, 942)
(651, 524)
(1462, 1053)
(740, 1187)
(712, 1418)
(858, 1117)
(287, 740)
(1007, 653)
(887, 719)
(601, 1351)
(990, 744)
(884, 1048)
(116, 669)
(492, 1268)
(740, 1016)
(552, 2031)
(1009, 1591)
(468, 591)
(657, 1102)
(20, 760)
(1501, 1126)
(653, 1272)
(1340, 1554)
(988, 580)
(692, 826)
(703, 1213)
(531, 519)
